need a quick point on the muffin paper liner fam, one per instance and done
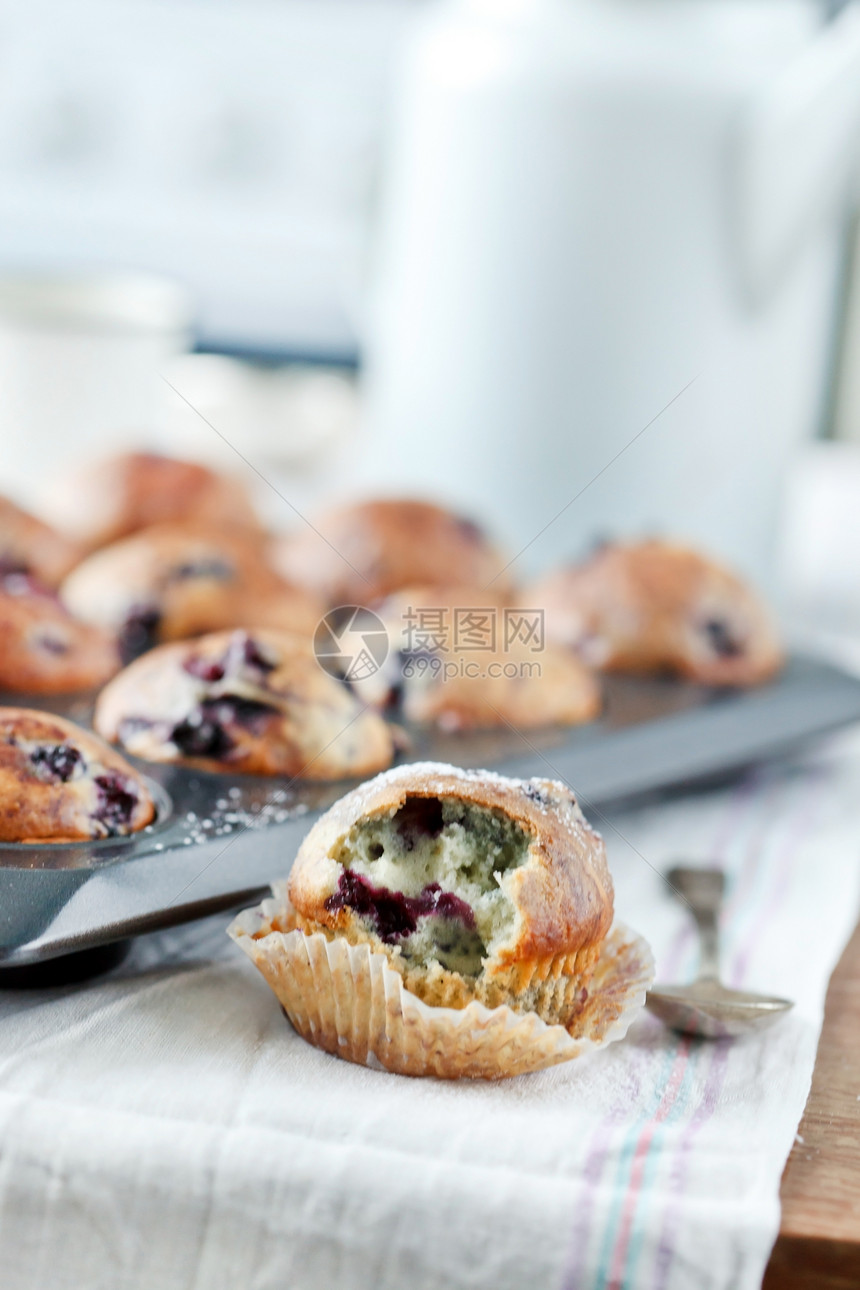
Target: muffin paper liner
(347, 1000)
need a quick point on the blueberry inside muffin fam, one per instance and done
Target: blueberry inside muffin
(58, 783)
(472, 885)
(425, 879)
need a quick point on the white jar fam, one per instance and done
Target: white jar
(592, 205)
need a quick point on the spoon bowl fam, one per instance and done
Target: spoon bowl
(712, 1010)
(707, 1008)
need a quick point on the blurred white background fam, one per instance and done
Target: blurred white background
(234, 146)
(468, 248)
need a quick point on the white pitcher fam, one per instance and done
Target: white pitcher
(608, 264)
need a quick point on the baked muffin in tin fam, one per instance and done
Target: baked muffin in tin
(29, 545)
(59, 783)
(250, 701)
(360, 552)
(461, 658)
(43, 649)
(174, 581)
(108, 499)
(655, 607)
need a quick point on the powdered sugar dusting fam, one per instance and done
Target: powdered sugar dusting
(231, 817)
(547, 797)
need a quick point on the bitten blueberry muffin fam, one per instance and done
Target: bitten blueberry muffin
(462, 659)
(59, 783)
(369, 549)
(43, 649)
(256, 702)
(472, 885)
(656, 607)
(119, 495)
(28, 545)
(179, 580)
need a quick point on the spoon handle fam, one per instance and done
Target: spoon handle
(702, 889)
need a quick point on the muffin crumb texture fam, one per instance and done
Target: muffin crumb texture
(427, 879)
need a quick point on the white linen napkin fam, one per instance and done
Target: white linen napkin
(164, 1127)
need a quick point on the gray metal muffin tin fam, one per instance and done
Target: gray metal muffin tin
(219, 839)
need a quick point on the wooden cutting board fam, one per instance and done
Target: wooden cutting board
(818, 1247)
